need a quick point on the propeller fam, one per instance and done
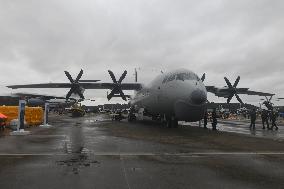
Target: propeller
(233, 90)
(117, 89)
(75, 85)
(268, 103)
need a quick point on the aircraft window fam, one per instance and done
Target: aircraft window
(182, 77)
(171, 78)
(165, 79)
(187, 76)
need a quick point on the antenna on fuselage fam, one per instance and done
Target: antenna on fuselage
(203, 77)
(135, 75)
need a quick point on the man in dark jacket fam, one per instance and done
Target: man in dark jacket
(214, 120)
(264, 118)
(252, 119)
(273, 120)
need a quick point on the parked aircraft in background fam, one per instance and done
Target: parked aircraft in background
(32, 99)
(267, 102)
(176, 95)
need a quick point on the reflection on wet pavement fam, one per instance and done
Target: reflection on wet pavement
(78, 156)
(94, 152)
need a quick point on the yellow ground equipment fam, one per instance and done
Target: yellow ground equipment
(33, 115)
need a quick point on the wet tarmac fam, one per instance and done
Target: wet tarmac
(242, 127)
(94, 152)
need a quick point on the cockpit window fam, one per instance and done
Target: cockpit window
(181, 76)
(187, 76)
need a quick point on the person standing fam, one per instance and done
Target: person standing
(252, 119)
(264, 118)
(205, 119)
(214, 120)
(273, 120)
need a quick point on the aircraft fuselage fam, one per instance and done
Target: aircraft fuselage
(179, 94)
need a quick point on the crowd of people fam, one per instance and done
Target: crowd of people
(268, 118)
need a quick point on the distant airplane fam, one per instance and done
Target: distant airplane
(177, 95)
(268, 104)
(32, 99)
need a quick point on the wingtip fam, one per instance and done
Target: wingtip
(12, 87)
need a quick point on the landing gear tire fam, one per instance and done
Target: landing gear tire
(168, 122)
(175, 123)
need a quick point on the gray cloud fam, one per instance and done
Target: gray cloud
(40, 39)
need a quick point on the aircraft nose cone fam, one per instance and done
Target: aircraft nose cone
(198, 97)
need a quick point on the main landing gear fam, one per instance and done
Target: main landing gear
(171, 122)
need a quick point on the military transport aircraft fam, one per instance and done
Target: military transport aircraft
(176, 95)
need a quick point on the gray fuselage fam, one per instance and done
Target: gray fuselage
(180, 94)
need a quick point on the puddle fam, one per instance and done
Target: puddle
(77, 162)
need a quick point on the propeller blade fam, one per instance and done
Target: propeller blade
(122, 95)
(110, 95)
(112, 76)
(228, 83)
(230, 98)
(81, 95)
(203, 77)
(122, 76)
(236, 82)
(70, 93)
(79, 76)
(239, 99)
(69, 76)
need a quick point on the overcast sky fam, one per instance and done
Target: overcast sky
(39, 39)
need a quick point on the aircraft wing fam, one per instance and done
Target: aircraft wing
(214, 90)
(211, 89)
(34, 95)
(41, 85)
(248, 92)
(124, 86)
